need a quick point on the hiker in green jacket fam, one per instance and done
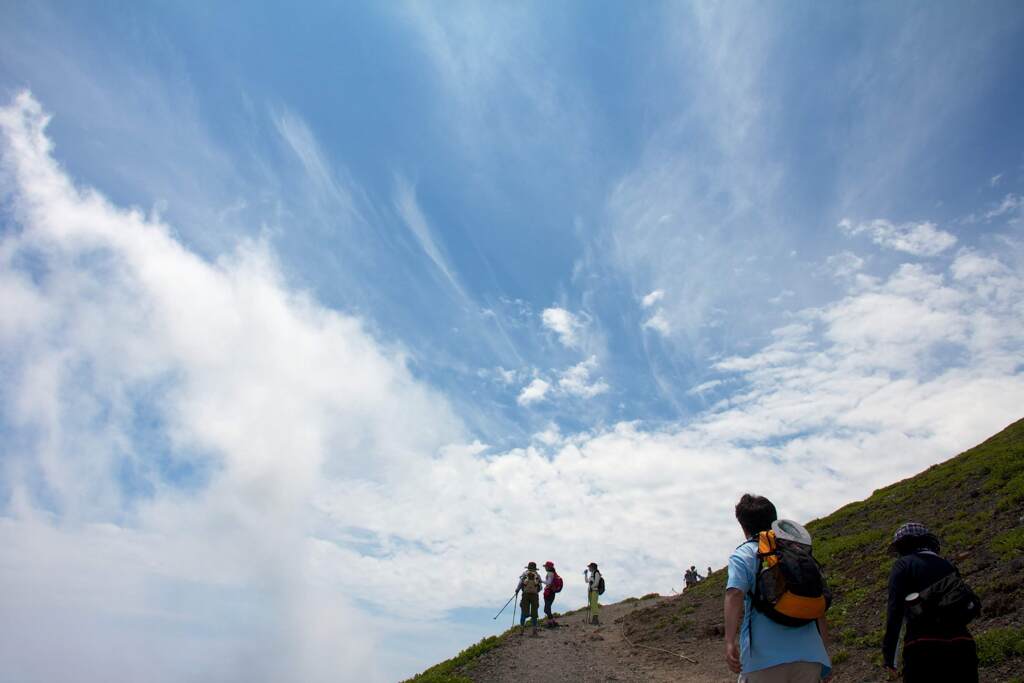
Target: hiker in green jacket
(530, 584)
(595, 586)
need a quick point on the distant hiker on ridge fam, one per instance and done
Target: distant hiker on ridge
(595, 588)
(552, 585)
(529, 583)
(690, 576)
(927, 592)
(765, 640)
(709, 572)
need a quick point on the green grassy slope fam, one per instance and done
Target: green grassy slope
(974, 503)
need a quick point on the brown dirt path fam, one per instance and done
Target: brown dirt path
(577, 652)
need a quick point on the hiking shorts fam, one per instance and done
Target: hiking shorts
(791, 672)
(529, 605)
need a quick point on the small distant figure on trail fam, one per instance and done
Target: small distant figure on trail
(766, 640)
(926, 591)
(709, 572)
(690, 576)
(530, 584)
(552, 586)
(595, 588)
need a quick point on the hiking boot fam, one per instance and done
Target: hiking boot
(535, 632)
(594, 621)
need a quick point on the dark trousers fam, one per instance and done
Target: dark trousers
(548, 600)
(927, 661)
(529, 604)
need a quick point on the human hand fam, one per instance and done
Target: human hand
(732, 656)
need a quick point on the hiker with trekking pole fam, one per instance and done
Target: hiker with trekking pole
(552, 585)
(595, 588)
(530, 584)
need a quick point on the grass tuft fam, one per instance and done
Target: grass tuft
(999, 644)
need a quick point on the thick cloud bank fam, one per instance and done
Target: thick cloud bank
(207, 475)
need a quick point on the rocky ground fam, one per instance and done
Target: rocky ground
(579, 652)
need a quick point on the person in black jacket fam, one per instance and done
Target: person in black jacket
(931, 651)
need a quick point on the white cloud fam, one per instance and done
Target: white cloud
(302, 142)
(919, 239)
(1012, 204)
(506, 376)
(551, 436)
(704, 386)
(409, 209)
(266, 396)
(658, 322)
(653, 298)
(563, 323)
(844, 264)
(994, 180)
(575, 381)
(533, 392)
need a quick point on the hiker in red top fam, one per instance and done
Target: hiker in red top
(552, 585)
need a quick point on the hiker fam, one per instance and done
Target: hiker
(691, 577)
(937, 645)
(529, 583)
(757, 646)
(595, 587)
(709, 572)
(552, 585)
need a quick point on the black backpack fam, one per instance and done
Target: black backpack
(947, 602)
(600, 585)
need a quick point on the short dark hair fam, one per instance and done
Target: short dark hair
(755, 514)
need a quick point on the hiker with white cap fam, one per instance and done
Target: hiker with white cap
(595, 588)
(529, 584)
(775, 601)
(927, 593)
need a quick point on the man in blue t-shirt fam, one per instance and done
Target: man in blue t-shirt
(757, 648)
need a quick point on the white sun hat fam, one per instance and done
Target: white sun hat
(788, 530)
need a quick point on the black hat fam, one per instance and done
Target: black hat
(532, 565)
(913, 530)
(593, 564)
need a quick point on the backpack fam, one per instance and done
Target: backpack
(531, 582)
(790, 588)
(556, 584)
(948, 602)
(600, 585)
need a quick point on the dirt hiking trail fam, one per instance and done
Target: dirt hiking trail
(578, 652)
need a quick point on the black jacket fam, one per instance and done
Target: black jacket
(911, 574)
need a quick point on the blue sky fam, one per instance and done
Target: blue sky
(311, 311)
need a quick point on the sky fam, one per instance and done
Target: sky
(318, 322)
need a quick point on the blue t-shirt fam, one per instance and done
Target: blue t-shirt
(772, 643)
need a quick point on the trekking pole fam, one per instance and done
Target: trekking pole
(506, 605)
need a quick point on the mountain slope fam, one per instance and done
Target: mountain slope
(973, 502)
